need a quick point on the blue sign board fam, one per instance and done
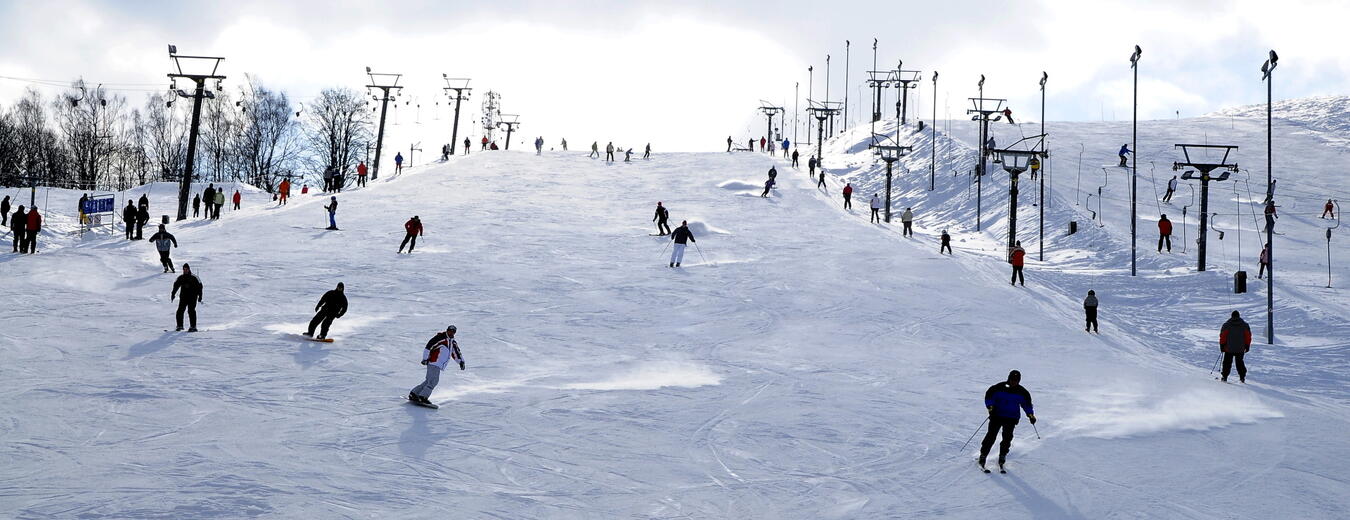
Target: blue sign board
(99, 205)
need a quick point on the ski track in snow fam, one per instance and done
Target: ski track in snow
(814, 366)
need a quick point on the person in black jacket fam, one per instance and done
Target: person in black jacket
(681, 235)
(1235, 340)
(196, 205)
(209, 197)
(129, 218)
(4, 211)
(18, 225)
(946, 243)
(162, 240)
(142, 218)
(1005, 402)
(191, 288)
(332, 305)
(662, 228)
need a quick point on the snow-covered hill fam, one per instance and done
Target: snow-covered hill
(802, 364)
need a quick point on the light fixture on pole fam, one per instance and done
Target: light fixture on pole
(386, 83)
(890, 154)
(461, 88)
(1014, 162)
(1045, 152)
(199, 78)
(932, 142)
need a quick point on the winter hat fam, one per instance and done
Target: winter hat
(1014, 376)
(451, 328)
(340, 286)
(1235, 314)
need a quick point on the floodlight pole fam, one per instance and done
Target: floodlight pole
(1134, 169)
(796, 108)
(932, 150)
(846, 64)
(1268, 71)
(770, 111)
(1045, 150)
(459, 96)
(827, 91)
(199, 93)
(876, 89)
(810, 87)
(384, 111)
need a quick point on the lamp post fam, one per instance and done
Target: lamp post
(1267, 74)
(1014, 162)
(932, 144)
(847, 44)
(1045, 150)
(890, 154)
(810, 86)
(1134, 165)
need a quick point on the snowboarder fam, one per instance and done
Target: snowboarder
(18, 224)
(946, 243)
(191, 288)
(768, 185)
(1090, 310)
(876, 208)
(662, 227)
(647, 152)
(237, 198)
(331, 306)
(1328, 210)
(414, 229)
(1235, 340)
(729, 143)
(1016, 259)
(362, 170)
(595, 149)
(332, 214)
(129, 218)
(466, 145)
(680, 236)
(1007, 112)
(1264, 261)
(398, 163)
(162, 240)
(794, 158)
(196, 204)
(848, 196)
(907, 219)
(1164, 234)
(1124, 150)
(440, 350)
(1005, 401)
(31, 229)
(4, 211)
(1171, 188)
(609, 152)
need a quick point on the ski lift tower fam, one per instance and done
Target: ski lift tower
(461, 88)
(492, 112)
(200, 70)
(905, 80)
(1205, 177)
(983, 111)
(509, 121)
(386, 83)
(889, 153)
(769, 110)
(821, 111)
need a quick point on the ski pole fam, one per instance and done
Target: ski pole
(1216, 364)
(700, 252)
(1038, 432)
(663, 248)
(972, 436)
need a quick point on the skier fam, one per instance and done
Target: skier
(876, 208)
(18, 224)
(907, 219)
(1007, 112)
(79, 207)
(1271, 214)
(1016, 259)
(564, 144)
(4, 211)
(332, 214)
(609, 152)
(129, 218)
(1235, 340)
(628, 155)
(1124, 150)
(208, 197)
(445, 152)
(762, 142)
(794, 158)
(236, 199)
(285, 191)
(485, 142)
(1005, 401)
(1035, 165)
(989, 146)
(191, 288)
(773, 173)
(362, 170)
(32, 227)
(647, 152)
(398, 163)
(1090, 309)
(595, 149)
(162, 241)
(1171, 188)
(1164, 234)
(539, 145)
(946, 243)
(786, 142)
(821, 184)
(768, 185)
(729, 143)
(1264, 261)
(662, 228)
(1327, 210)
(680, 236)
(811, 166)
(220, 203)
(848, 196)
(414, 228)
(440, 350)
(466, 146)
(196, 204)
(331, 306)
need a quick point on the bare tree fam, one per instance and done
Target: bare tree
(219, 136)
(338, 127)
(86, 118)
(165, 137)
(269, 140)
(39, 156)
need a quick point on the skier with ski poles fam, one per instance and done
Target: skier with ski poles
(1327, 210)
(440, 350)
(1017, 258)
(332, 213)
(414, 229)
(331, 306)
(946, 243)
(662, 228)
(1124, 150)
(1164, 233)
(848, 196)
(191, 288)
(1235, 340)
(1090, 311)
(1171, 188)
(681, 235)
(1005, 402)
(162, 240)
(1264, 262)
(768, 185)
(876, 208)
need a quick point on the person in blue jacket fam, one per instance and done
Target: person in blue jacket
(786, 144)
(1124, 150)
(1003, 401)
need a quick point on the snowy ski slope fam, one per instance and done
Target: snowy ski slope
(813, 366)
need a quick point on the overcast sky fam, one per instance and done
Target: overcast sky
(684, 75)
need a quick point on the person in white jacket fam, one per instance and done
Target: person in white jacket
(876, 207)
(440, 350)
(907, 218)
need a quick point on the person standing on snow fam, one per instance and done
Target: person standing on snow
(162, 240)
(142, 217)
(1264, 261)
(768, 185)
(237, 199)
(209, 198)
(762, 143)
(811, 166)
(143, 203)
(848, 196)
(31, 229)
(1235, 340)
(196, 205)
(362, 170)
(876, 208)
(662, 227)
(331, 306)
(332, 214)
(1164, 234)
(647, 152)
(794, 158)
(751, 143)
(729, 143)
(680, 236)
(220, 202)
(1016, 259)
(414, 229)
(539, 145)
(398, 163)
(786, 142)
(284, 191)
(18, 224)
(1171, 188)
(191, 288)
(946, 243)
(821, 184)
(1005, 402)
(485, 142)
(1090, 310)
(440, 350)
(609, 152)
(129, 218)
(773, 174)
(1007, 112)
(4, 211)
(628, 155)
(907, 219)
(1327, 210)
(595, 149)
(564, 144)
(1124, 150)
(466, 146)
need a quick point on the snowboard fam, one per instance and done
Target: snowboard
(322, 340)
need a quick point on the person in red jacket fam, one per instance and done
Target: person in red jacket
(1018, 254)
(236, 199)
(33, 227)
(485, 142)
(848, 196)
(762, 142)
(284, 191)
(1329, 210)
(304, 189)
(1235, 340)
(1164, 233)
(361, 173)
(414, 228)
